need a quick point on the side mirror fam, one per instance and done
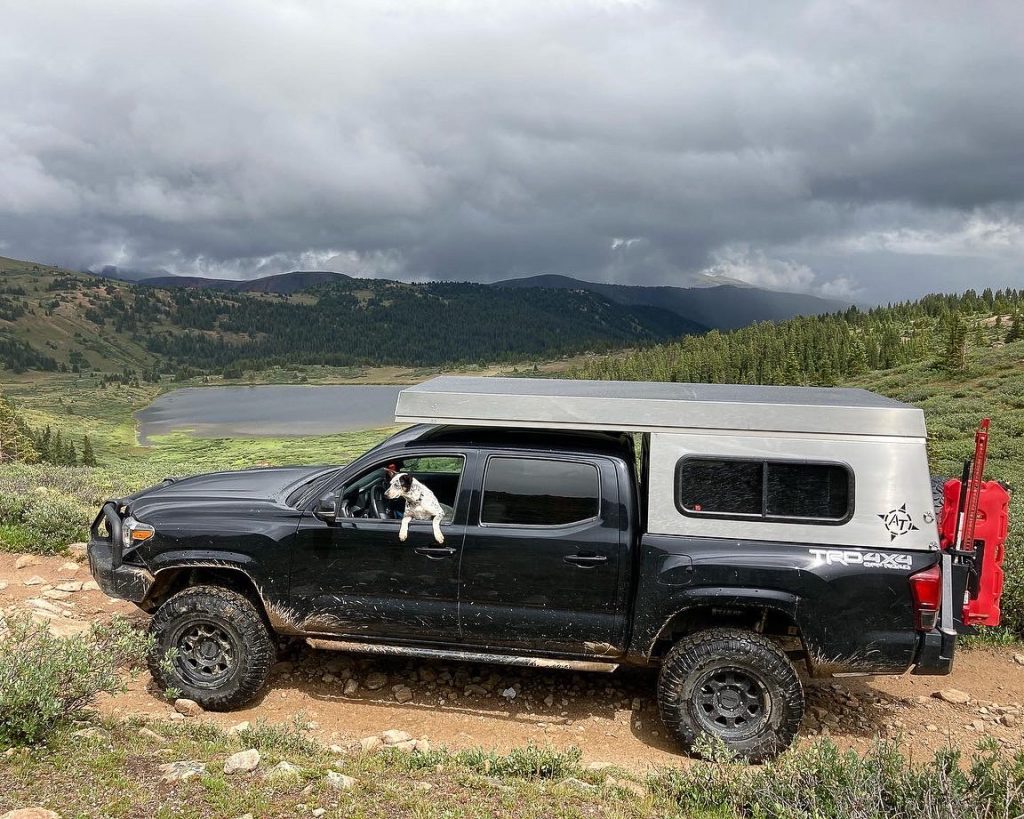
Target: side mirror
(327, 508)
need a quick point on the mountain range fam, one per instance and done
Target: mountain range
(54, 318)
(709, 305)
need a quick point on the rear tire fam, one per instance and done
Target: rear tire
(731, 684)
(938, 494)
(222, 650)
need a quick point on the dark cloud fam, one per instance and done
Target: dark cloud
(868, 149)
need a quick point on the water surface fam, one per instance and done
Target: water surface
(273, 411)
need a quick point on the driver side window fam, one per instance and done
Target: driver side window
(364, 496)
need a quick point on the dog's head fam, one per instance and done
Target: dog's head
(400, 484)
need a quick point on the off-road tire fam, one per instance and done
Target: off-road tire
(938, 494)
(705, 662)
(205, 620)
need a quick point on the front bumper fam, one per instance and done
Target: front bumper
(115, 578)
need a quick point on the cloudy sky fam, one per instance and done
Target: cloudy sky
(871, 150)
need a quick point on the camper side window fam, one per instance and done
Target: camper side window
(765, 490)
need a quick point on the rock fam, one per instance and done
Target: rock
(79, 551)
(70, 586)
(954, 696)
(70, 568)
(376, 681)
(579, 784)
(339, 781)
(473, 689)
(30, 813)
(406, 747)
(56, 594)
(549, 700)
(1018, 659)
(1009, 720)
(90, 585)
(422, 746)
(3, 585)
(188, 708)
(25, 561)
(238, 728)
(35, 580)
(318, 812)
(67, 628)
(595, 767)
(284, 770)
(152, 736)
(931, 727)
(181, 771)
(92, 732)
(351, 686)
(509, 694)
(371, 744)
(393, 737)
(40, 604)
(242, 762)
(403, 693)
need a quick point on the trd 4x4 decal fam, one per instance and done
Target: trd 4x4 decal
(898, 522)
(869, 560)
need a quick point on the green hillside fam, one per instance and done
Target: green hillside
(53, 319)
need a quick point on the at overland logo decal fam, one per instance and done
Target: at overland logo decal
(869, 560)
(898, 522)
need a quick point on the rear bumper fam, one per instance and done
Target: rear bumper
(935, 653)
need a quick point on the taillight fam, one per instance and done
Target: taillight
(926, 587)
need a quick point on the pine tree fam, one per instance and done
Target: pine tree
(1016, 331)
(88, 456)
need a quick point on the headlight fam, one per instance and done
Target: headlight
(134, 532)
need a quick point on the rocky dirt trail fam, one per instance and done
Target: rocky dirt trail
(345, 699)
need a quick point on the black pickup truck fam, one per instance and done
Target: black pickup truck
(548, 560)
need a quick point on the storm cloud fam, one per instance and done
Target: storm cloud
(870, 150)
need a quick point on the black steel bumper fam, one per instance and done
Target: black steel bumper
(115, 578)
(935, 653)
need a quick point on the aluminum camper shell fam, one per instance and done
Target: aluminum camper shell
(881, 442)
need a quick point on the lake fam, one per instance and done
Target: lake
(270, 411)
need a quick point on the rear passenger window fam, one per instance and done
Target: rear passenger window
(535, 492)
(769, 490)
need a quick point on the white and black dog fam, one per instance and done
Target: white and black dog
(420, 504)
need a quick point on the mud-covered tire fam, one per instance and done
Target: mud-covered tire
(731, 684)
(222, 648)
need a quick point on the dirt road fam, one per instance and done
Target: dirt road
(612, 718)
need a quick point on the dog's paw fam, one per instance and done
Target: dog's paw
(403, 536)
(439, 538)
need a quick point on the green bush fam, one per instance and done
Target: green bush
(55, 521)
(46, 681)
(821, 781)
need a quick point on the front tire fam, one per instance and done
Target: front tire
(221, 650)
(731, 684)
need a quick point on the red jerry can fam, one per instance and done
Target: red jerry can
(981, 606)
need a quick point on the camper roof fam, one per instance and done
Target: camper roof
(642, 406)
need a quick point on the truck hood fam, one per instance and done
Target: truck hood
(244, 485)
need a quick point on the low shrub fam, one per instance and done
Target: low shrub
(46, 681)
(821, 781)
(54, 521)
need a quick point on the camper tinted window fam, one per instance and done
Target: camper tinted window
(534, 492)
(808, 491)
(771, 490)
(721, 487)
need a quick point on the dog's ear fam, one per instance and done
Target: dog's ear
(405, 481)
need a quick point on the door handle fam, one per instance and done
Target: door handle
(435, 552)
(585, 560)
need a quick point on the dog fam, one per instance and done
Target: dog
(420, 504)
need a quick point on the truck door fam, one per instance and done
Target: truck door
(543, 562)
(355, 578)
